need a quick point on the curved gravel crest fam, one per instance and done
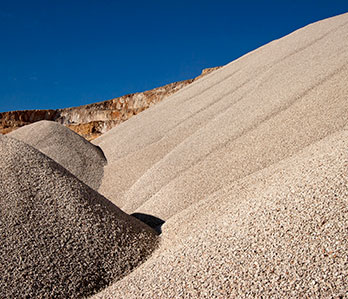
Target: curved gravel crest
(83, 159)
(253, 112)
(248, 167)
(279, 233)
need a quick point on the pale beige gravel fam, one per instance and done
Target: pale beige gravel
(253, 112)
(281, 232)
(248, 166)
(83, 159)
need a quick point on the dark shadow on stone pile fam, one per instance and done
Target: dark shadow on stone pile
(152, 221)
(83, 159)
(58, 237)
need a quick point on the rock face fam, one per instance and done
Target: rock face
(92, 120)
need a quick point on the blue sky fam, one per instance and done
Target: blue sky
(56, 54)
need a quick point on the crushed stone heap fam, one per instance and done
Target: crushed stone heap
(60, 238)
(83, 159)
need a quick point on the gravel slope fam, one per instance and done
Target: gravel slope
(280, 232)
(59, 237)
(83, 159)
(248, 166)
(252, 113)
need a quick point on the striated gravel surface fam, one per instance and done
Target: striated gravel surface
(59, 237)
(83, 159)
(248, 167)
(281, 232)
(256, 111)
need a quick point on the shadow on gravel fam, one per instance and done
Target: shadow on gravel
(152, 221)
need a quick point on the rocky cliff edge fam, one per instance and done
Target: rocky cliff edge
(92, 120)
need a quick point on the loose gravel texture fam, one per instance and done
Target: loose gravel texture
(256, 111)
(60, 238)
(281, 232)
(83, 159)
(248, 167)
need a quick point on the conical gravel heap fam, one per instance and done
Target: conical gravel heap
(59, 237)
(83, 159)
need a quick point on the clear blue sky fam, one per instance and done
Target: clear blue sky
(56, 54)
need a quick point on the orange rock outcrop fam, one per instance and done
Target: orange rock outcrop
(92, 120)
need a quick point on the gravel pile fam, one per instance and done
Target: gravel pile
(281, 232)
(248, 167)
(83, 159)
(59, 237)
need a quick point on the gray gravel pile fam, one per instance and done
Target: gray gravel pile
(59, 237)
(83, 159)
(248, 166)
